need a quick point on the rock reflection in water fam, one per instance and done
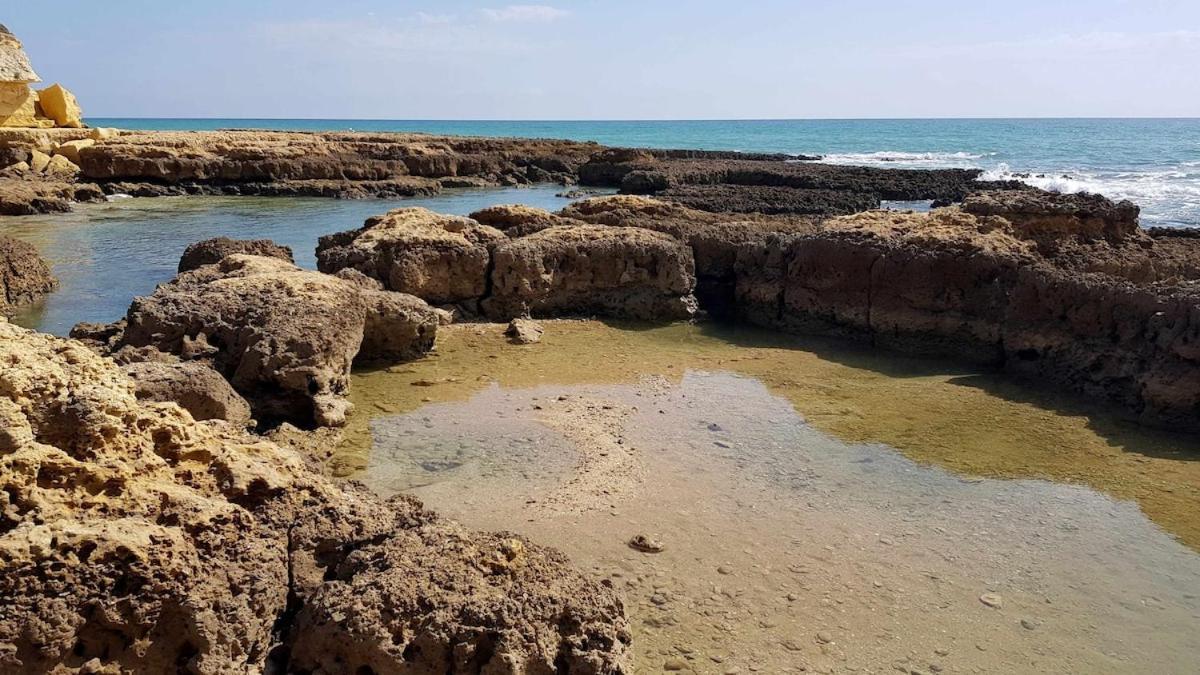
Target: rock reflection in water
(787, 549)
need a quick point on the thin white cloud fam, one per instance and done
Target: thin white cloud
(526, 13)
(1062, 45)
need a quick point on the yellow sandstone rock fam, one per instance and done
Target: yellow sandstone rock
(60, 105)
(38, 161)
(61, 166)
(18, 105)
(71, 149)
(19, 167)
(104, 133)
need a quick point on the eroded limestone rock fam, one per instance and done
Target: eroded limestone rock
(213, 250)
(624, 272)
(135, 539)
(524, 332)
(197, 388)
(24, 275)
(441, 259)
(285, 338)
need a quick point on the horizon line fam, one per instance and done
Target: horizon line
(593, 120)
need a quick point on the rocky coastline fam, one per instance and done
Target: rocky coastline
(183, 441)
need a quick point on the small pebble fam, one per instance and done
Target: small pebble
(992, 600)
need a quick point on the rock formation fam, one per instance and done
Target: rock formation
(136, 539)
(24, 275)
(285, 338)
(623, 272)
(250, 162)
(21, 106)
(440, 259)
(211, 251)
(775, 184)
(195, 386)
(561, 267)
(1063, 289)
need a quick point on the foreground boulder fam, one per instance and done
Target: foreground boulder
(213, 250)
(284, 337)
(197, 388)
(24, 275)
(135, 539)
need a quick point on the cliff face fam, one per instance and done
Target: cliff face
(21, 106)
(14, 64)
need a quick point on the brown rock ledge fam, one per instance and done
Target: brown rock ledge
(24, 275)
(284, 337)
(1062, 289)
(135, 539)
(542, 265)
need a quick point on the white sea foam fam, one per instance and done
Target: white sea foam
(901, 159)
(118, 196)
(1167, 196)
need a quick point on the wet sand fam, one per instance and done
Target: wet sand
(973, 424)
(788, 550)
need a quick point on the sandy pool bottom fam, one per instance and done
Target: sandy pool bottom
(795, 536)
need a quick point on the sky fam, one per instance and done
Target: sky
(618, 59)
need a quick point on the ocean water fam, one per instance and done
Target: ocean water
(1153, 162)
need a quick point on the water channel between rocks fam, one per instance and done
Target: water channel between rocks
(796, 535)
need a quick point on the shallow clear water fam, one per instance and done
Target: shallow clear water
(104, 255)
(787, 547)
(1154, 162)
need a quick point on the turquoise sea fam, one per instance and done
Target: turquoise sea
(1154, 162)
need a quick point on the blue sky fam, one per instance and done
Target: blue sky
(618, 59)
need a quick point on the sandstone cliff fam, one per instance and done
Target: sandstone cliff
(21, 106)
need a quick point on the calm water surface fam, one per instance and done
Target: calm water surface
(104, 255)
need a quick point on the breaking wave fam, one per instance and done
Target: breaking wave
(899, 159)
(1168, 197)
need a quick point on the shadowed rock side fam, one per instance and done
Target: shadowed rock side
(622, 272)
(1064, 289)
(284, 337)
(135, 539)
(555, 267)
(769, 184)
(24, 275)
(196, 387)
(213, 250)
